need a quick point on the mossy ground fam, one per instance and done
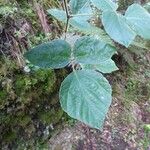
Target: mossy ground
(29, 104)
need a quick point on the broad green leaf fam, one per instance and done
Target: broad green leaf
(105, 4)
(90, 50)
(86, 95)
(54, 54)
(107, 66)
(84, 27)
(117, 27)
(80, 6)
(58, 14)
(139, 19)
(80, 23)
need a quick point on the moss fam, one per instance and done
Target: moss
(10, 136)
(5, 118)
(29, 98)
(28, 101)
(46, 117)
(39, 81)
(22, 84)
(132, 88)
(51, 116)
(25, 120)
(6, 67)
(123, 4)
(3, 95)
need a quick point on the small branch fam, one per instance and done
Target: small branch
(68, 16)
(67, 26)
(42, 17)
(66, 8)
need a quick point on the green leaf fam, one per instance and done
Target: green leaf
(90, 50)
(86, 95)
(139, 19)
(58, 14)
(107, 66)
(84, 27)
(80, 6)
(117, 27)
(80, 23)
(54, 54)
(105, 4)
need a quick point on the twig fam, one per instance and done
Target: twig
(68, 16)
(42, 17)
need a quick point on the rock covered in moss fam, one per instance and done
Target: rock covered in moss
(29, 104)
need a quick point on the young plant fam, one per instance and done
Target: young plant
(86, 94)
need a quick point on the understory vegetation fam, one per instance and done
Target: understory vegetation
(31, 116)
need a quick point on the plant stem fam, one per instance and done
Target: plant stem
(68, 16)
(66, 8)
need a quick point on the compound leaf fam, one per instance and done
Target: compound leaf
(139, 19)
(54, 54)
(86, 95)
(105, 4)
(117, 27)
(90, 50)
